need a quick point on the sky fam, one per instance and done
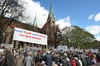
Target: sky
(83, 13)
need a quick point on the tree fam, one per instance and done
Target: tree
(10, 9)
(78, 37)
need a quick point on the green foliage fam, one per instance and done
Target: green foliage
(78, 37)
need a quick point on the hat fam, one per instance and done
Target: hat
(76, 58)
(65, 54)
(67, 59)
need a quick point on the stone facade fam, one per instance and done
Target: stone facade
(8, 34)
(50, 29)
(52, 34)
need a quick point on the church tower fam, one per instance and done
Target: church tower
(51, 28)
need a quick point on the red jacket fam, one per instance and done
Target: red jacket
(73, 62)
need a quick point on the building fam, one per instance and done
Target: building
(50, 29)
(8, 34)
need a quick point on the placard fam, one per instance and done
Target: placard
(29, 36)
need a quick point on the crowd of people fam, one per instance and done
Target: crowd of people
(15, 57)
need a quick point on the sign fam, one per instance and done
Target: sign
(7, 45)
(63, 48)
(1, 50)
(29, 36)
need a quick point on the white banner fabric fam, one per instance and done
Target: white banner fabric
(29, 36)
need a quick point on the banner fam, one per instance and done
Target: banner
(29, 36)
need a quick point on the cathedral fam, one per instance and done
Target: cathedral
(50, 29)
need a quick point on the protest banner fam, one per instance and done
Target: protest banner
(29, 36)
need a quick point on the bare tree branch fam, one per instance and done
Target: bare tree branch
(10, 9)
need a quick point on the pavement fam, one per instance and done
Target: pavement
(98, 64)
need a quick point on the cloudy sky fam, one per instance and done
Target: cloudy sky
(83, 13)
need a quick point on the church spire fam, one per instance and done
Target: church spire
(35, 21)
(50, 20)
(51, 11)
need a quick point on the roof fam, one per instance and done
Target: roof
(19, 24)
(46, 24)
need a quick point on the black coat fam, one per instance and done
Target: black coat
(69, 63)
(98, 57)
(9, 59)
(48, 60)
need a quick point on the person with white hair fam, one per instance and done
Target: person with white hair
(42, 63)
(68, 62)
(78, 62)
